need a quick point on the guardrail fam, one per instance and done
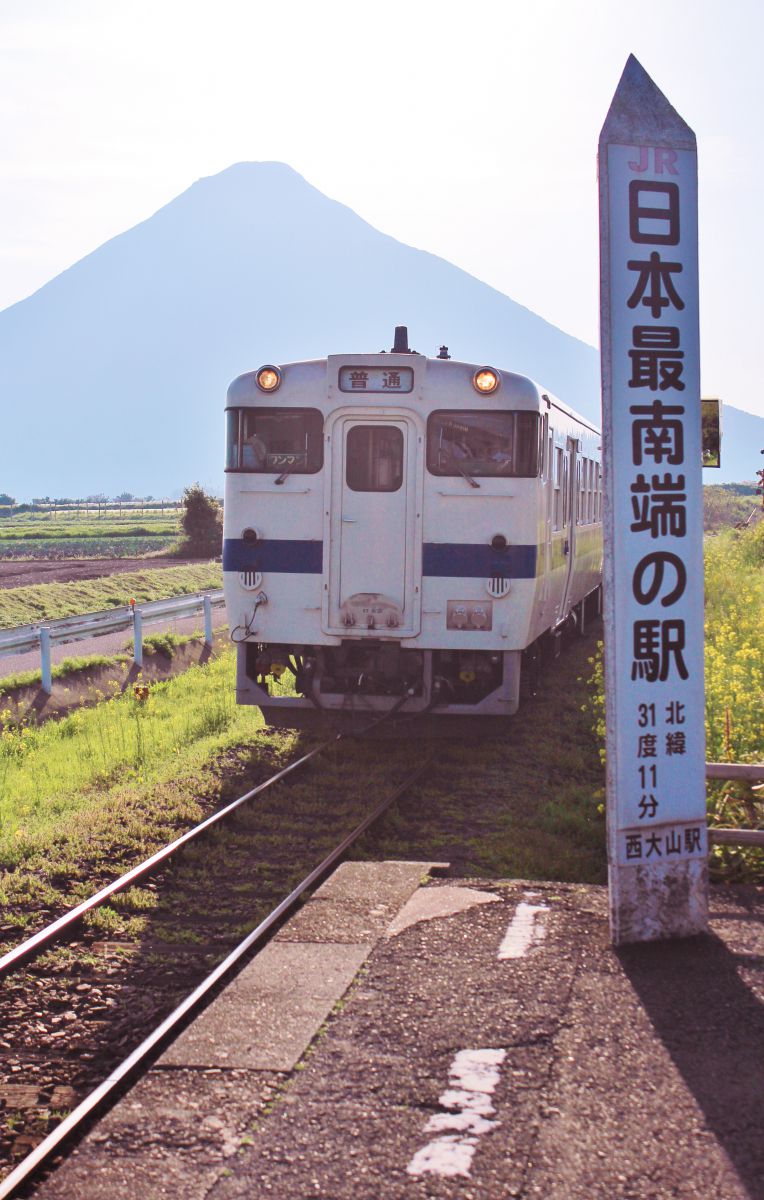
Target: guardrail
(736, 837)
(74, 629)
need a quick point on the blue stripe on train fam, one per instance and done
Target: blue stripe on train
(446, 560)
(283, 557)
(460, 560)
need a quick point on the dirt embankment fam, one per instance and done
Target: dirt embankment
(88, 686)
(23, 572)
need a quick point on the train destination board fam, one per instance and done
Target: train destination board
(361, 379)
(657, 839)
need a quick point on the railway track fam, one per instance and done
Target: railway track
(56, 997)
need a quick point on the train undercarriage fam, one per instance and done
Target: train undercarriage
(352, 684)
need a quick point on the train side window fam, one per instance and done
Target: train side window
(484, 443)
(586, 493)
(274, 440)
(557, 518)
(374, 458)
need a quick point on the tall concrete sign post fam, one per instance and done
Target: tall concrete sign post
(657, 840)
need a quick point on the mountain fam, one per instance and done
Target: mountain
(742, 447)
(113, 375)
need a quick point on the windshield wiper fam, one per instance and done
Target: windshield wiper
(284, 474)
(472, 482)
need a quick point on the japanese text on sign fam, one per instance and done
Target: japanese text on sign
(655, 431)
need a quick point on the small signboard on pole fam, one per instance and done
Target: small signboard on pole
(657, 839)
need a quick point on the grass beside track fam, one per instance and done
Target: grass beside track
(51, 771)
(47, 601)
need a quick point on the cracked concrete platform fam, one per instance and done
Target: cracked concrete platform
(567, 1071)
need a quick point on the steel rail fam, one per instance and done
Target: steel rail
(51, 932)
(44, 936)
(90, 1104)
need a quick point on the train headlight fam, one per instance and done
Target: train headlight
(485, 381)
(268, 378)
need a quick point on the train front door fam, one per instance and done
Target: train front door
(372, 531)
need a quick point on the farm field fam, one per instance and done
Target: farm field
(75, 534)
(24, 572)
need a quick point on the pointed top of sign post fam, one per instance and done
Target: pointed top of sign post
(640, 115)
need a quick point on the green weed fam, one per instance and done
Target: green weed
(48, 601)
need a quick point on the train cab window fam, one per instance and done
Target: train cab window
(274, 440)
(374, 458)
(483, 443)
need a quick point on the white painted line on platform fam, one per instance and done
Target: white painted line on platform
(428, 904)
(444, 1156)
(467, 1109)
(522, 931)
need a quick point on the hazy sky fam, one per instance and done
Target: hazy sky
(469, 130)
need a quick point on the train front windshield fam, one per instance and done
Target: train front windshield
(274, 439)
(483, 443)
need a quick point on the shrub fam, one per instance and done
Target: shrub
(202, 522)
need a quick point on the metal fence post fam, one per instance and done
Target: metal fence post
(207, 621)
(45, 665)
(137, 637)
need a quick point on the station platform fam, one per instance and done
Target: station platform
(407, 1035)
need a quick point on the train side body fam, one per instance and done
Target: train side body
(390, 531)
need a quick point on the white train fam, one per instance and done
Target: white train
(402, 531)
